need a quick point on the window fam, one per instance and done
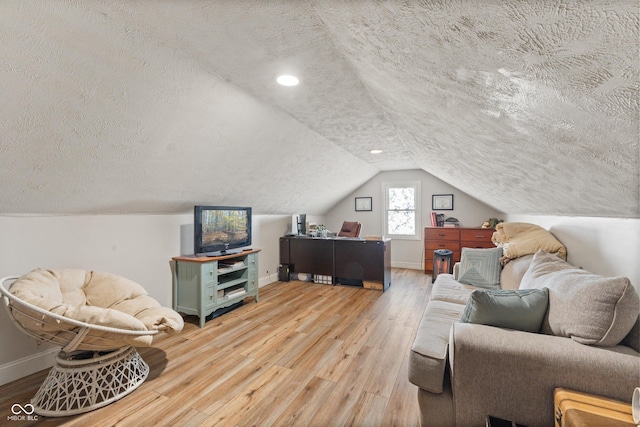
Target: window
(402, 214)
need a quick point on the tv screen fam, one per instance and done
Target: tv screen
(221, 230)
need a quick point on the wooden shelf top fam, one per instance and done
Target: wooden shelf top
(194, 258)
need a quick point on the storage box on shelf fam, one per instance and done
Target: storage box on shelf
(202, 285)
(454, 239)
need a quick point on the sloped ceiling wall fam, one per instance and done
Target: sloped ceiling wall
(152, 107)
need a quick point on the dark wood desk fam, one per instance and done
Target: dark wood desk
(347, 260)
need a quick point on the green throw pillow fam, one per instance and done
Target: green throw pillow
(480, 267)
(521, 309)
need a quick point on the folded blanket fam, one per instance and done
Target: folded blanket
(519, 238)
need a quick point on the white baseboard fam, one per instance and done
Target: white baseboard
(404, 264)
(27, 365)
(270, 278)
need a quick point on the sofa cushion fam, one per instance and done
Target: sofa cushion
(480, 267)
(633, 337)
(446, 288)
(428, 356)
(522, 309)
(586, 307)
(513, 271)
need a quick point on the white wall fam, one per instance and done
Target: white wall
(605, 246)
(140, 246)
(135, 246)
(407, 253)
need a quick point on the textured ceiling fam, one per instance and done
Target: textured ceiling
(154, 106)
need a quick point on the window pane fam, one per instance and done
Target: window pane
(401, 198)
(402, 222)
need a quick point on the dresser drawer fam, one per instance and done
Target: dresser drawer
(441, 233)
(451, 245)
(208, 273)
(476, 234)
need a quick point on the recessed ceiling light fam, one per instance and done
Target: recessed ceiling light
(287, 80)
(375, 151)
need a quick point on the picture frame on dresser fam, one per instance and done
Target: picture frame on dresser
(442, 202)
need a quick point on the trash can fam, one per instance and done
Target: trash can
(442, 263)
(283, 272)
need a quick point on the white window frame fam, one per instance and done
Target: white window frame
(417, 209)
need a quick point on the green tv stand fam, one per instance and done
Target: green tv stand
(202, 285)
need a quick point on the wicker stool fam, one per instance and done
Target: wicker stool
(84, 381)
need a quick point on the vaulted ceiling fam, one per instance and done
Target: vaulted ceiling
(154, 106)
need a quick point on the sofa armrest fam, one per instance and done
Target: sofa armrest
(512, 374)
(456, 270)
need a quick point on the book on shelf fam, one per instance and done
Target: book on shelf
(451, 222)
(236, 292)
(231, 263)
(229, 266)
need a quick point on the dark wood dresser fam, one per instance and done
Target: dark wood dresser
(454, 239)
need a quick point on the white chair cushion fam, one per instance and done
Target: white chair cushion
(94, 298)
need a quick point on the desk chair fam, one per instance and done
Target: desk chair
(350, 229)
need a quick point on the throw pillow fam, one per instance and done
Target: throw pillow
(586, 307)
(514, 309)
(480, 267)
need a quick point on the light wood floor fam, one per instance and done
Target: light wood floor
(306, 354)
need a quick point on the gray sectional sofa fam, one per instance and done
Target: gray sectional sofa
(467, 371)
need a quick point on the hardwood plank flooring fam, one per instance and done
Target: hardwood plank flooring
(305, 355)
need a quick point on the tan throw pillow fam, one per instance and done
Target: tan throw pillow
(583, 306)
(520, 238)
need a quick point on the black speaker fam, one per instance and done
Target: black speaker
(283, 272)
(302, 224)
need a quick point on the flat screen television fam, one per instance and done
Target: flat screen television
(221, 230)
